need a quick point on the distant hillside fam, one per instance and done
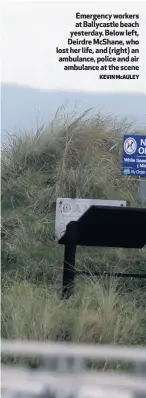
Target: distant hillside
(22, 106)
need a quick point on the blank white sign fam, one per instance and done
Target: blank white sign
(68, 209)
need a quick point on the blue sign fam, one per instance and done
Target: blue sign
(134, 155)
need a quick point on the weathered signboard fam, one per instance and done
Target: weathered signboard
(68, 209)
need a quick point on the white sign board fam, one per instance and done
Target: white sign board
(68, 209)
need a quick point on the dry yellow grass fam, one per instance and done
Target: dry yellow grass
(76, 156)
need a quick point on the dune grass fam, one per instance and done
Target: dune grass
(75, 156)
(35, 312)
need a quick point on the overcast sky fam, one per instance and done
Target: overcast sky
(32, 31)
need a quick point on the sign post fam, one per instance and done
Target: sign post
(69, 260)
(142, 192)
(134, 161)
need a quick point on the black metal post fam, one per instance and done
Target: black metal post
(69, 260)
